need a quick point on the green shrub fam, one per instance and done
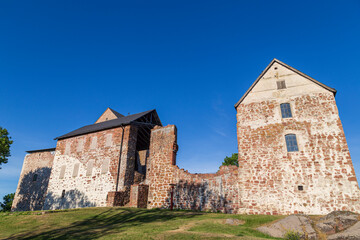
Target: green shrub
(292, 235)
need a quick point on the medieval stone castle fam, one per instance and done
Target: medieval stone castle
(293, 158)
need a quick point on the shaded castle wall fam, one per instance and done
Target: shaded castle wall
(91, 168)
(215, 192)
(33, 182)
(269, 176)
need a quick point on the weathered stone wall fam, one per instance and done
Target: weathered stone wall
(269, 176)
(33, 182)
(86, 168)
(215, 192)
(139, 196)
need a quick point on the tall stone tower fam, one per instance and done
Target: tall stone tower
(293, 155)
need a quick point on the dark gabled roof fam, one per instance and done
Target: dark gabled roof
(122, 121)
(119, 115)
(42, 150)
(289, 67)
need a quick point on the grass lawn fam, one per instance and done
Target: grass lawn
(128, 223)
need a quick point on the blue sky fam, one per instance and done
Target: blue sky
(62, 63)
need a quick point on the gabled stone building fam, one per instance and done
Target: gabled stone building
(293, 158)
(89, 164)
(293, 155)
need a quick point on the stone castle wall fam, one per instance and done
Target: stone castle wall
(85, 168)
(214, 192)
(33, 182)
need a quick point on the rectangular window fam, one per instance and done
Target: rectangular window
(89, 168)
(62, 171)
(281, 84)
(105, 166)
(80, 145)
(291, 143)
(108, 141)
(285, 110)
(76, 170)
(67, 148)
(93, 143)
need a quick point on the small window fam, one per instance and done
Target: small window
(89, 168)
(63, 194)
(80, 145)
(291, 143)
(108, 141)
(300, 188)
(105, 166)
(93, 143)
(285, 110)
(281, 84)
(35, 177)
(76, 170)
(62, 171)
(67, 148)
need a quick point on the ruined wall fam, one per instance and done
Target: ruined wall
(86, 168)
(33, 182)
(269, 176)
(215, 192)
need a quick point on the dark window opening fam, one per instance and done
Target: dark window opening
(281, 84)
(63, 194)
(35, 177)
(291, 143)
(285, 110)
(300, 188)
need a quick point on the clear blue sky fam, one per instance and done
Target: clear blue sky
(62, 63)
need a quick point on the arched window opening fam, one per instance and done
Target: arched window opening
(35, 177)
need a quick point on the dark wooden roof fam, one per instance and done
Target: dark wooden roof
(42, 150)
(121, 121)
(289, 67)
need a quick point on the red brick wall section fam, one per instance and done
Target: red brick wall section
(139, 196)
(119, 198)
(270, 176)
(30, 194)
(160, 169)
(214, 192)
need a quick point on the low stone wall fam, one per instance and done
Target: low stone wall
(119, 198)
(214, 192)
(139, 196)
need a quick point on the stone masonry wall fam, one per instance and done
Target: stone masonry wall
(215, 192)
(33, 182)
(270, 176)
(86, 168)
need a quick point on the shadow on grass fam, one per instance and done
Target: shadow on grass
(112, 221)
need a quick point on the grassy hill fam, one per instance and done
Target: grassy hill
(128, 223)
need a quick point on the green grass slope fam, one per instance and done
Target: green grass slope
(128, 223)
